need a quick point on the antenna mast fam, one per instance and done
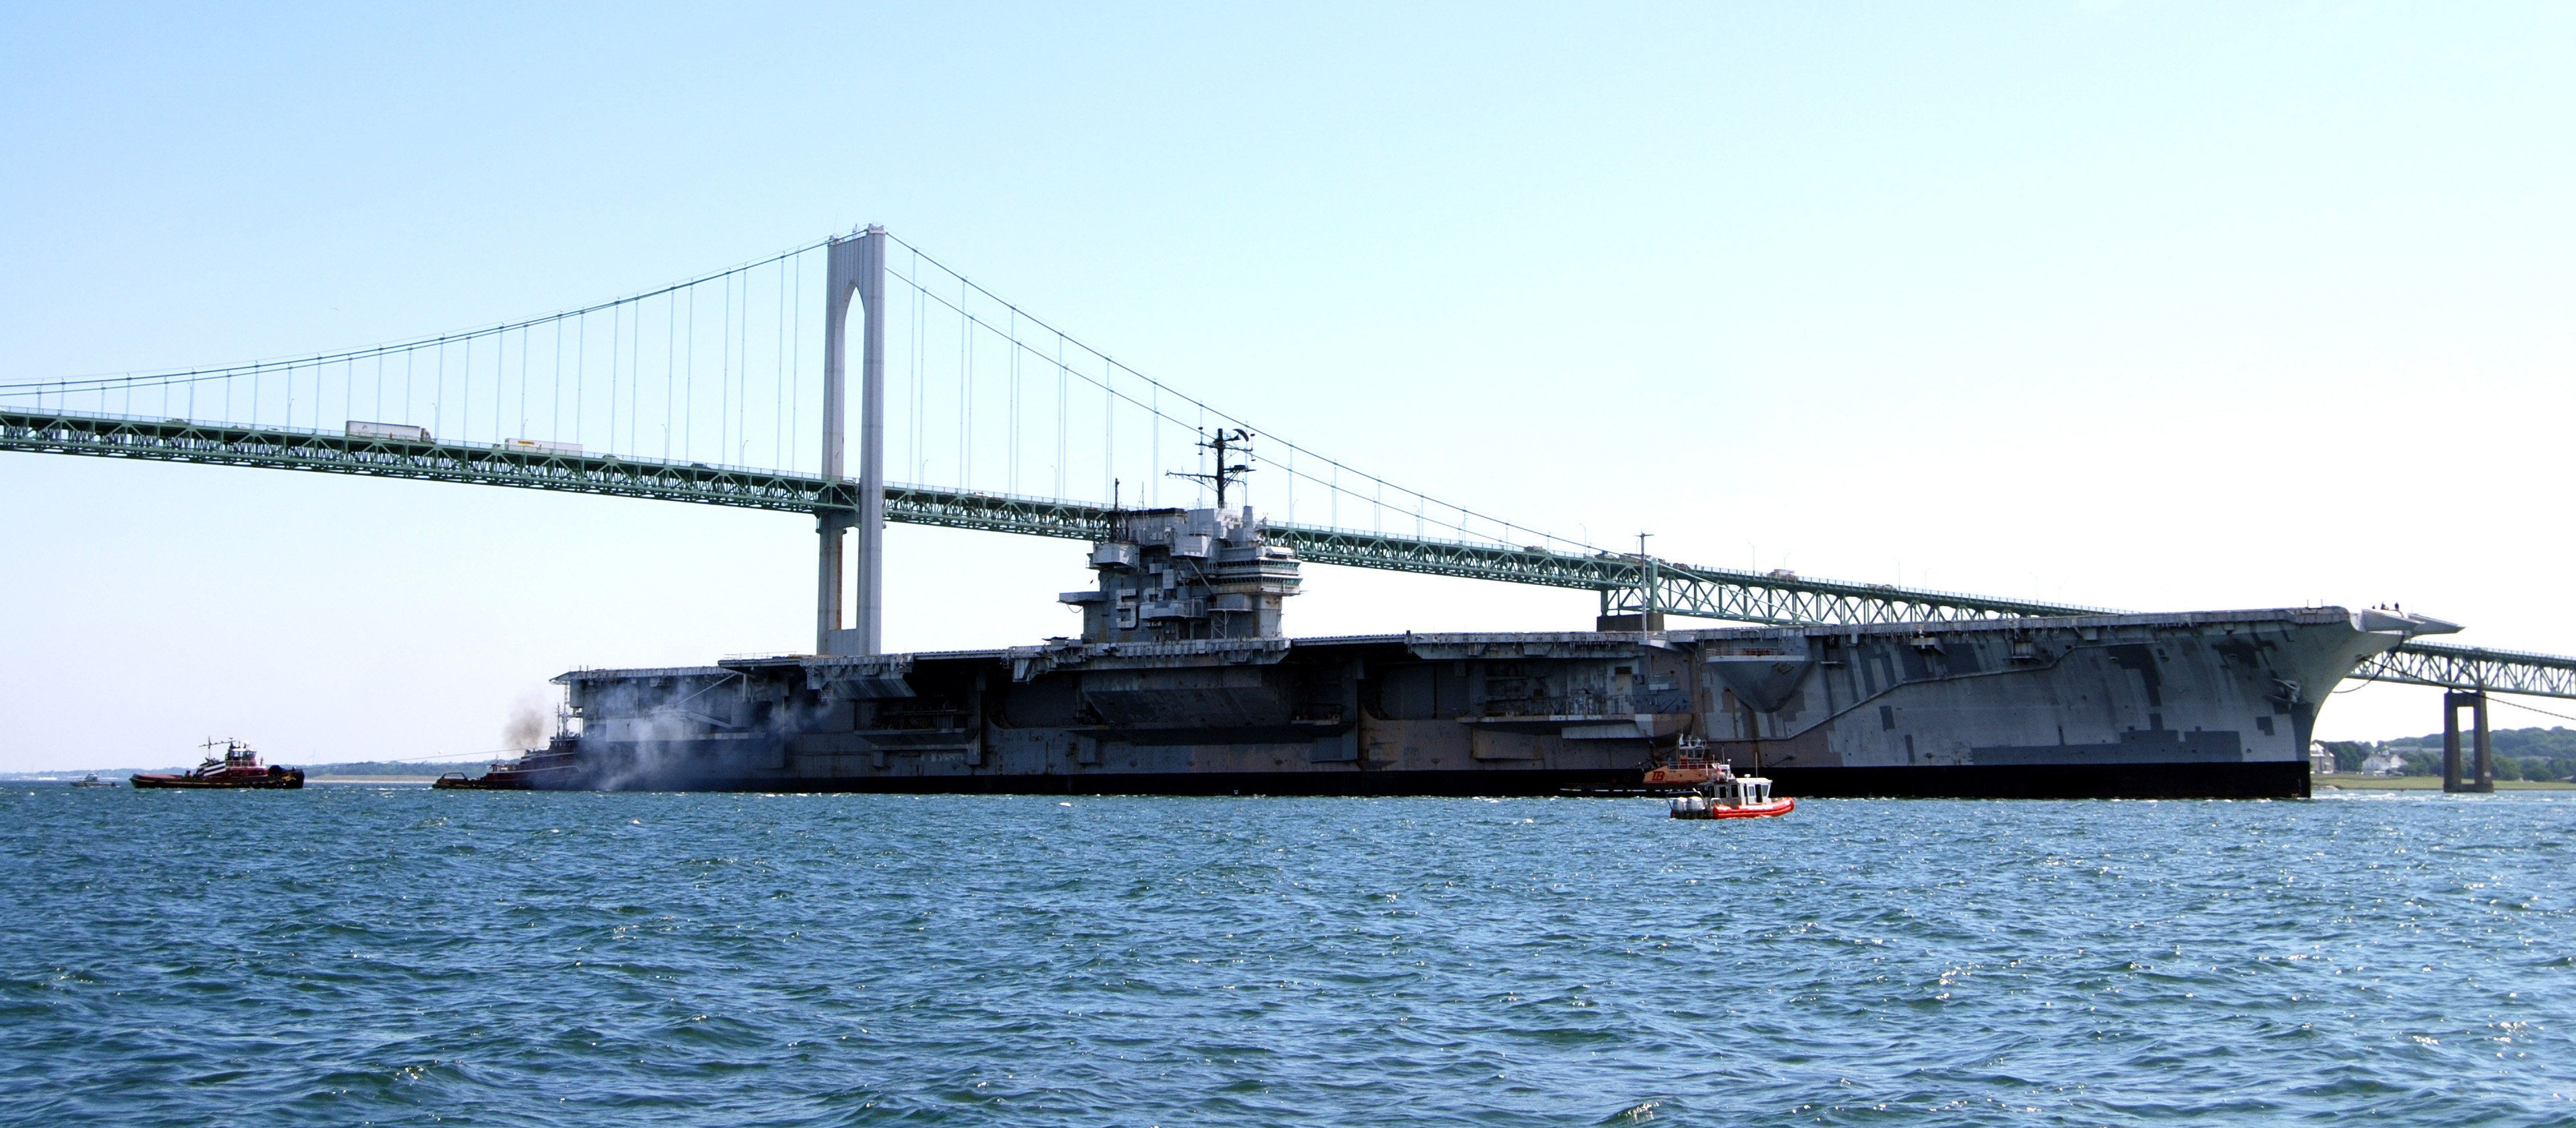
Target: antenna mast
(1238, 440)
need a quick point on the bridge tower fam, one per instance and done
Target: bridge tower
(854, 264)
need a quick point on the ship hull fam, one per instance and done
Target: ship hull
(2071, 781)
(2213, 704)
(1463, 784)
(2260, 780)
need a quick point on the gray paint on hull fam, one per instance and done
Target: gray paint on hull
(2164, 747)
(2058, 699)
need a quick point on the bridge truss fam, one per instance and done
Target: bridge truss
(1625, 581)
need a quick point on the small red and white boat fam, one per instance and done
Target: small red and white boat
(1730, 796)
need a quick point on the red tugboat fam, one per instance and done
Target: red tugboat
(1690, 766)
(554, 767)
(238, 767)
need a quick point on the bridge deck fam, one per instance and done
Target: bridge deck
(1714, 593)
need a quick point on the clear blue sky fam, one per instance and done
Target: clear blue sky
(2149, 305)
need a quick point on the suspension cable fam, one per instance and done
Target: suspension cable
(252, 368)
(1110, 367)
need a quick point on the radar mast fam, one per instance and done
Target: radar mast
(1238, 440)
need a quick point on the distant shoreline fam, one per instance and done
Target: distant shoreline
(2354, 782)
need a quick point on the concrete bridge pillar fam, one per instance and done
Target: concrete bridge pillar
(2480, 775)
(853, 265)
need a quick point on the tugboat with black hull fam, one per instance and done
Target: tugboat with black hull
(237, 769)
(555, 767)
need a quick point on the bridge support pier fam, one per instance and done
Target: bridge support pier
(2481, 771)
(829, 637)
(853, 264)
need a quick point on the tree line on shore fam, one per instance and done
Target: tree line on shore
(2524, 753)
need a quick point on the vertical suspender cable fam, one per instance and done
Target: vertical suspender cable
(1011, 477)
(1108, 434)
(635, 379)
(778, 379)
(616, 337)
(795, 365)
(742, 388)
(921, 385)
(688, 422)
(724, 372)
(671, 369)
(913, 332)
(1059, 414)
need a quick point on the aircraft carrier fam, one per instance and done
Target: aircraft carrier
(1183, 682)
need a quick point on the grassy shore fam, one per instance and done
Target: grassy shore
(2347, 782)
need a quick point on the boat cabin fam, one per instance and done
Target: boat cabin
(1741, 791)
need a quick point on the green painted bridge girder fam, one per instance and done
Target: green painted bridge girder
(1679, 589)
(2452, 666)
(1713, 593)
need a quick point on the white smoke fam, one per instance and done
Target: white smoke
(659, 731)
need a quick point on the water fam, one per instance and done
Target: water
(348, 955)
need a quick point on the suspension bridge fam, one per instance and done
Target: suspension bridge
(704, 391)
